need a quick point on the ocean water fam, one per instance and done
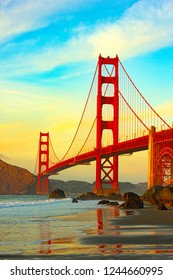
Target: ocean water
(38, 227)
(29, 224)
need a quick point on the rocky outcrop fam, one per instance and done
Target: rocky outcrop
(159, 194)
(151, 195)
(132, 201)
(161, 206)
(166, 196)
(57, 194)
(16, 180)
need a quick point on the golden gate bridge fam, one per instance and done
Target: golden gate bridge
(123, 122)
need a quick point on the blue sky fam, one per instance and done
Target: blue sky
(48, 53)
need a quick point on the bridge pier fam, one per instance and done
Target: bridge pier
(43, 185)
(106, 176)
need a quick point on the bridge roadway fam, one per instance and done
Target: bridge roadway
(126, 147)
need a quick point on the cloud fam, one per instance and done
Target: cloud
(146, 26)
(18, 16)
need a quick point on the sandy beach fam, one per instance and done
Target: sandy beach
(139, 234)
(131, 234)
(110, 233)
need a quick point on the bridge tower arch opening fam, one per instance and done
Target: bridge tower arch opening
(163, 174)
(107, 168)
(160, 158)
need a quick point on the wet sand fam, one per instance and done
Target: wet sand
(111, 233)
(135, 234)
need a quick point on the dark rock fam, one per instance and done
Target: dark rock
(103, 202)
(88, 196)
(107, 202)
(57, 194)
(161, 206)
(132, 201)
(74, 200)
(113, 203)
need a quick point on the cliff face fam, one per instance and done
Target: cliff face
(16, 180)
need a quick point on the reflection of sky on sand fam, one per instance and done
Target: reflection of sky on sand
(84, 230)
(93, 233)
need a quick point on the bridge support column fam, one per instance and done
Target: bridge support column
(162, 158)
(107, 168)
(43, 185)
(151, 158)
(43, 164)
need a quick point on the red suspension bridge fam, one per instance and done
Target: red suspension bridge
(124, 122)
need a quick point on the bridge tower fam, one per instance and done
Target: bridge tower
(43, 164)
(160, 158)
(107, 168)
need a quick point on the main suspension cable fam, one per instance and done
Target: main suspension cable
(86, 103)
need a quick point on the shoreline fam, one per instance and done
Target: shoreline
(110, 233)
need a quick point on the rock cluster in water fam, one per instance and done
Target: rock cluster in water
(93, 196)
(157, 195)
(132, 200)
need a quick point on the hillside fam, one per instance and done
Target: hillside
(76, 187)
(16, 180)
(71, 187)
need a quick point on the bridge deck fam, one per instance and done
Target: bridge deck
(126, 147)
